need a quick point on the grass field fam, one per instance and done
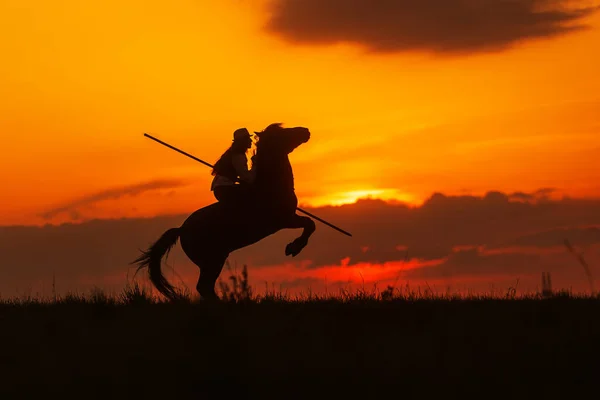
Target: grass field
(393, 344)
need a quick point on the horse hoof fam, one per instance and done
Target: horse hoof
(292, 249)
(288, 249)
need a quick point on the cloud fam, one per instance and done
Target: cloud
(448, 237)
(438, 26)
(540, 194)
(73, 208)
(475, 262)
(583, 235)
(433, 230)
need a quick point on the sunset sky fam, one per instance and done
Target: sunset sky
(403, 100)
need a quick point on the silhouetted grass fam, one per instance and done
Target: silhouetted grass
(395, 342)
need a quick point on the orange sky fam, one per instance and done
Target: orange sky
(81, 81)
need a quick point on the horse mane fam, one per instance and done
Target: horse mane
(266, 154)
(272, 127)
(267, 137)
(268, 132)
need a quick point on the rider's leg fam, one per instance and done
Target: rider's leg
(229, 194)
(223, 193)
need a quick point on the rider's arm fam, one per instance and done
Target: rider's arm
(241, 167)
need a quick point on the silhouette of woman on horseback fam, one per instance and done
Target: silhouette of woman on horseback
(211, 233)
(233, 167)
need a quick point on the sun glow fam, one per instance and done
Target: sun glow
(352, 196)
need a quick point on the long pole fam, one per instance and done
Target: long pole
(211, 166)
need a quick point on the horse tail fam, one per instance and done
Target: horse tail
(152, 259)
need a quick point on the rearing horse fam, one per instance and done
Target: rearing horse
(211, 233)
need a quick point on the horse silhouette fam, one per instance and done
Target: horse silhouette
(211, 233)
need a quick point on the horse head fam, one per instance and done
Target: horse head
(275, 140)
(274, 176)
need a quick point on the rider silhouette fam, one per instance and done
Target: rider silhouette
(232, 166)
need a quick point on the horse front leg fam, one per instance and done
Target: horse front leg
(308, 225)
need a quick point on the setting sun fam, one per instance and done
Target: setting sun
(350, 197)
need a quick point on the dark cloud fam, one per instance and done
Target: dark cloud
(443, 222)
(469, 235)
(583, 236)
(72, 208)
(540, 194)
(439, 26)
(475, 262)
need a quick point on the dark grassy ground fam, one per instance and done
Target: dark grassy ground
(361, 346)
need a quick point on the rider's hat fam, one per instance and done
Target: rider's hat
(240, 134)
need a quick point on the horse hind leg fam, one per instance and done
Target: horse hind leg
(208, 259)
(210, 269)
